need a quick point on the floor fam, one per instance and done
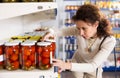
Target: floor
(67, 74)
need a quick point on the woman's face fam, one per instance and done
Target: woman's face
(87, 30)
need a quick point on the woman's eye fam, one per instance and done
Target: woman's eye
(78, 28)
(84, 28)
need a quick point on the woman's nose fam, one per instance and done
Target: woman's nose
(81, 32)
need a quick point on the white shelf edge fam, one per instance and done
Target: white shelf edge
(9, 10)
(36, 73)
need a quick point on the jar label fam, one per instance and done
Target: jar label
(1, 58)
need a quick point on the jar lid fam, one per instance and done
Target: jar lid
(34, 41)
(50, 40)
(19, 41)
(1, 43)
(43, 43)
(11, 43)
(28, 43)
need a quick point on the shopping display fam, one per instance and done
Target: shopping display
(28, 54)
(27, 51)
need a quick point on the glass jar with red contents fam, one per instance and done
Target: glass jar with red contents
(28, 55)
(1, 55)
(44, 55)
(52, 46)
(11, 55)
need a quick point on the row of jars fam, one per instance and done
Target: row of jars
(27, 0)
(27, 55)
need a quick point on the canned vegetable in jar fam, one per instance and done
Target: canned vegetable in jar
(28, 55)
(44, 55)
(10, 0)
(11, 55)
(1, 54)
(52, 46)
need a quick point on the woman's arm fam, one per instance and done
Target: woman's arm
(98, 59)
(65, 31)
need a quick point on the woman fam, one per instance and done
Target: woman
(95, 42)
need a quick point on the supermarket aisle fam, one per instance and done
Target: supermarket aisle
(67, 74)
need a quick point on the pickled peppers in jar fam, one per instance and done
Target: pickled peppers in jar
(1, 55)
(44, 55)
(11, 55)
(28, 56)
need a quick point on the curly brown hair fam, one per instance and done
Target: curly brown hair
(91, 13)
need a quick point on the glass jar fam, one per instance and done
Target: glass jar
(28, 55)
(10, 1)
(45, 0)
(29, 0)
(11, 55)
(1, 55)
(44, 55)
(52, 46)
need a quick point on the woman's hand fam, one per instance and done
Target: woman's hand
(61, 65)
(49, 35)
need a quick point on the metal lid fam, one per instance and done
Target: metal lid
(28, 43)
(50, 40)
(1, 43)
(11, 43)
(19, 41)
(43, 43)
(34, 41)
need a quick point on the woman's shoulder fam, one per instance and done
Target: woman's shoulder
(110, 39)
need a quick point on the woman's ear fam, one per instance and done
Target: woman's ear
(96, 24)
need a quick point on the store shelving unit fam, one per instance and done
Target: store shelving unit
(8, 10)
(36, 73)
(20, 11)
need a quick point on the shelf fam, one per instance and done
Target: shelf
(73, 0)
(109, 0)
(110, 9)
(116, 28)
(72, 11)
(111, 69)
(114, 19)
(8, 10)
(36, 73)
